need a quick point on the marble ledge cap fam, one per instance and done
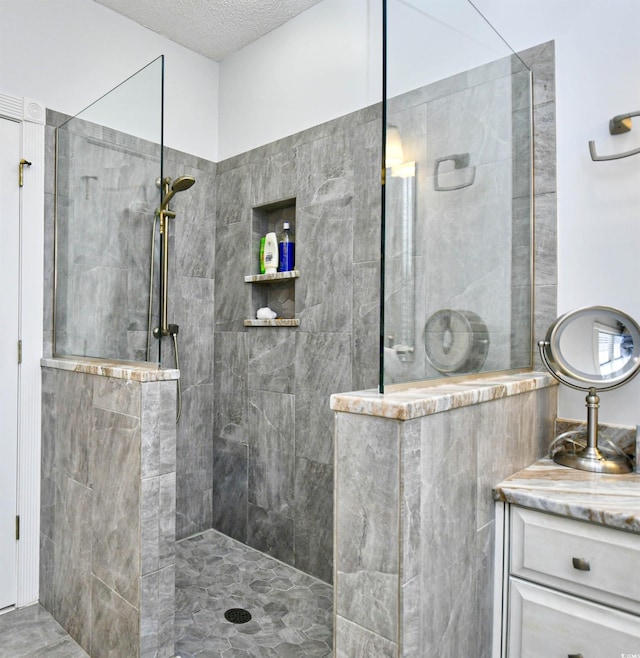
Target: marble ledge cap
(140, 372)
(428, 399)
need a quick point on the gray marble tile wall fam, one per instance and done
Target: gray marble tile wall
(107, 550)
(414, 523)
(126, 169)
(273, 430)
(520, 334)
(541, 60)
(191, 307)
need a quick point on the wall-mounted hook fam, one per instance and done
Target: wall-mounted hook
(621, 123)
(460, 161)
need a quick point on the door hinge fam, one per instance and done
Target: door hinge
(19, 351)
(21, 166)
(17, 528)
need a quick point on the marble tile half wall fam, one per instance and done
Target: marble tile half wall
(415, 522)
(107, 567)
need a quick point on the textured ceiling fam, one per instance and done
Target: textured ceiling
(213, 28)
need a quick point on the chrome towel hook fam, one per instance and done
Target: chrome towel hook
(621, 123)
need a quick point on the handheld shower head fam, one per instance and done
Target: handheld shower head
(180, 184)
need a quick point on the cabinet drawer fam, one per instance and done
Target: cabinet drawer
(598, 563)
(544, 623)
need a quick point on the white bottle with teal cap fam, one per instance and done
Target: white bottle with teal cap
(270, 253)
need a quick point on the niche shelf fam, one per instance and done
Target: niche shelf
(276, 322)
(268, 278)
(277, 290)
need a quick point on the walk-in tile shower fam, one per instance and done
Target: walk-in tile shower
(253, 453)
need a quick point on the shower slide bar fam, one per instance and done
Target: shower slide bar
(163, 214)
(621, 123)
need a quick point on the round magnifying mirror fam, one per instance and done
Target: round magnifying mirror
(598, 347)
(592, 349)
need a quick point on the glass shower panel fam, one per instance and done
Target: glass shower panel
(457, 196)
(108, 162)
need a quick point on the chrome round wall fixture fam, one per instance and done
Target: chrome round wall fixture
(456, 341)
(592, 349)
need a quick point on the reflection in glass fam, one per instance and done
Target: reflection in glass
(460, 100)
(108, 159)
(400, 197)
(614, 348)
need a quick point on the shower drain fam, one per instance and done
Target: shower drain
(237, 616)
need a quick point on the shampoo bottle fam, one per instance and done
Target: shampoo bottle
(261, 261)
(286, 249)
(270, 253)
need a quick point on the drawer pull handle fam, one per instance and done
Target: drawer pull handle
(575, 655)
(582, 565)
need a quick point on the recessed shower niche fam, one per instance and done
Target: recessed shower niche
(276, 291)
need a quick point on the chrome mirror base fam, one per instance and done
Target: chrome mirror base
(593, 460)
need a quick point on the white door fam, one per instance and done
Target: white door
(10, 135)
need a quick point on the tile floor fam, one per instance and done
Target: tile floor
(291, 611)
(33, 633)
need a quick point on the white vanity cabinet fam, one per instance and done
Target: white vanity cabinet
(565, 588)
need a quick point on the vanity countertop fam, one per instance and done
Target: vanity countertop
(610, 500)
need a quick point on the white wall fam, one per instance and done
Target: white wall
(68, 53)
(327, 62)
(598, 76)
(322, 64)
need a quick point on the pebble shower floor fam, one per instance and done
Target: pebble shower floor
(291, 612)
